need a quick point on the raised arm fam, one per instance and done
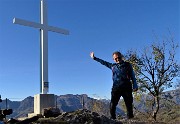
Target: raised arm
(107, 64)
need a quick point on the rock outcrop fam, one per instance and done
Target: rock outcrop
(81, 116)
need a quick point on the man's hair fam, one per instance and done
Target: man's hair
(118, 53)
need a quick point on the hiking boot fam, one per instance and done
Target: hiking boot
(113, 118)
(130, 117)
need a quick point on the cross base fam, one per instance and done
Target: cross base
(42, 101)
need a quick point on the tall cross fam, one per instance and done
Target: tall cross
(44, 28)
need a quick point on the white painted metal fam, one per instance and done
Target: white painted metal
(44, 28)
(44, 49)
(40, 26)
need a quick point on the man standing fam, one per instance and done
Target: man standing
(122, 73)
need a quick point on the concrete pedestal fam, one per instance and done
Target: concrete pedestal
(42, 101)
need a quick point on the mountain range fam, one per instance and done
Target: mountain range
(70, 102)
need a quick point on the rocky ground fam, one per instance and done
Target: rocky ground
(84, 116)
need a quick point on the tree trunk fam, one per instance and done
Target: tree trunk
(156, 109)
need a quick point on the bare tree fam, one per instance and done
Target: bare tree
(177, 85)
(156, 68)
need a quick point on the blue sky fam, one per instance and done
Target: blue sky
(102, 26)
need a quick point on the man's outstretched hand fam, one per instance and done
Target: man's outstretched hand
(92, 55)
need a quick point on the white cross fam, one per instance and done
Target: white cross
(44, 28)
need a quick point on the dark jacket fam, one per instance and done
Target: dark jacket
(122, 73)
